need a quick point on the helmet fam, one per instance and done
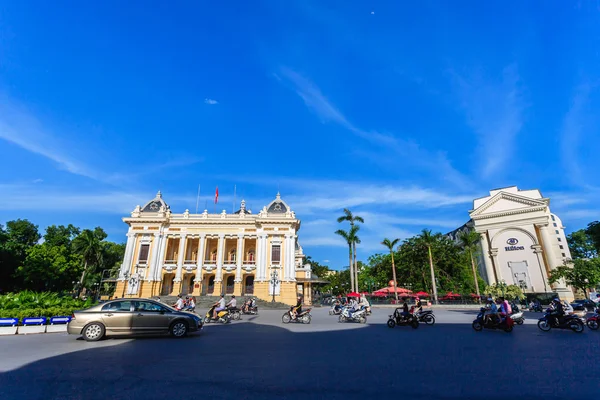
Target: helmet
(556, 299)
(233, 297)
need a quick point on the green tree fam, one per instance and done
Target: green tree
(428, 240)
(89, 245)
(316, 268)
(49, 268)
(350, 237)
(61, 235)
(582, 275)
(18, 236)
(593, 231)
(581, 245)
(391, 244)
(509, 292)
(469, 241)
(348, 216)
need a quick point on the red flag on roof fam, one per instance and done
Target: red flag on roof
(217, 195)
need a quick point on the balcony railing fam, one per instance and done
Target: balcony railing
(174, 262)
(249, 262)
(189, 262)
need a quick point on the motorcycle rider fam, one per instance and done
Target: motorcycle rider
(352, 306)
(219, 306)
(557, 311)
(297, 309)
(246, 305)
(491, 313)
(504, 310)
(405, 314)
(232, 303)
(365, 303)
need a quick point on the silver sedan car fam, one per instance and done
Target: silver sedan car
(132, 317)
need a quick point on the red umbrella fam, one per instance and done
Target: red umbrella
(391, 290)
(422, 294)
(475, 296)
(380, 294)
(353, 294)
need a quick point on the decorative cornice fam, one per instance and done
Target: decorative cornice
(507, 213)
(509, 196)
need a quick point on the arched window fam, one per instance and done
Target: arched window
(251, 255)
(232, 254)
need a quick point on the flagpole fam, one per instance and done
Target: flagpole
(197, 199)
(234, 193)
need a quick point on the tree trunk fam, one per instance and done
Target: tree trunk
(351, 269)
(81, 280)
(433, 284)
(355, 266)
(475, 277)
(394, 276)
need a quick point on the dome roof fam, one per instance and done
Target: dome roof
(156, 204)
(278, 206)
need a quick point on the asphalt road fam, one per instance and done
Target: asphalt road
(260, 358)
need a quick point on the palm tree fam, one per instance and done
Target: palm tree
(355, 240)
(89, 246)
(349, 237)
(469, 241)
(348, 216)
(390, 245)
(429, 239)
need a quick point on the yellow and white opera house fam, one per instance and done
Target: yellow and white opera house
(211, 254)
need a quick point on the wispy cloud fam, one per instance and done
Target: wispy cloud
(20, 128)
(211, 102)
(494, 109)
(403, 149)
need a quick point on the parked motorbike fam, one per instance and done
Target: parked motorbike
(235, 313)
(222, 316)
(304, 317)
(425, 316)
(593, 322)
(536, 308)
(359, 316)
(398, 319)
(489, 323)
(571, 321)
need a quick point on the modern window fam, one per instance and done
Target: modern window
(276, 254)
(559, 239)
(561, 246)
(144, 250)
(556, 231)
(564, 255)
(553, 219)
(555, 224)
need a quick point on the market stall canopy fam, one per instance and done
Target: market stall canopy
(422, 294)
(353, 294)
(390, 289)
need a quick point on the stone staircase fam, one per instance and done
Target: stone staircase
(205, 302)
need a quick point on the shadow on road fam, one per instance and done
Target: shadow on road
(254, 361)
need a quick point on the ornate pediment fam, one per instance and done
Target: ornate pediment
(504, 203)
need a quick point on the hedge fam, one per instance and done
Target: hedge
(37, 312)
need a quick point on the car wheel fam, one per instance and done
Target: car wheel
(93, 332)
(179, 329)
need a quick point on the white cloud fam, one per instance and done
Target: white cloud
(494, 110)
(401, 149)
(211, 102)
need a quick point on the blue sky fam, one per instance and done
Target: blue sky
(404, 112)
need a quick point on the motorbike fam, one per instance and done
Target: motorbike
(536, 308)
(518, 317)
(548, 321)
(235, 313)
(222, 316)
(425, 316)
(593, 322)
(303, 317)
(336, 309)
(398, 319)
(480, 322)
(250, 310)
(356, 316)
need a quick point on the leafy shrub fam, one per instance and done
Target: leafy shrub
(44, 300)
(36, 312)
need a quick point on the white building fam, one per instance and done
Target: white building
(521, 240)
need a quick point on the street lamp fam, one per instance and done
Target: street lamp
(274, 281)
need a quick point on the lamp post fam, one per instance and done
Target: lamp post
(274, 281)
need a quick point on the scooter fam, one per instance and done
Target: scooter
(480, 322)
(398, 319)
(570, 321)
(336, 309)
(359, 316)
(250, 308)
(593, 322)
(222, 316)
(235, 313)
(304, 317)
(518, 317)
(535, 308)
(425, 316)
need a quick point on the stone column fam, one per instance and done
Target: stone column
(537, 249)
(180, 257)
(153, 257)
(497, 267)
(220, 251)
(200, 263)
(129, 249)
(161, 257)
(485, 251)
(240, 257)
(261, 257)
